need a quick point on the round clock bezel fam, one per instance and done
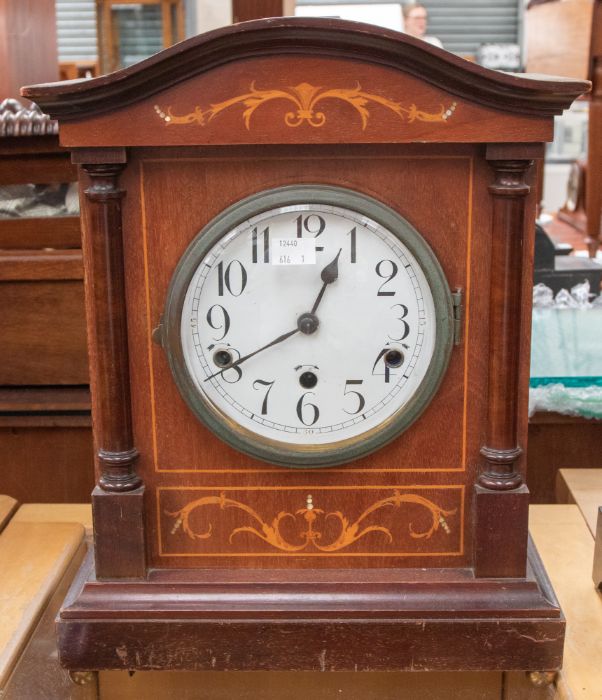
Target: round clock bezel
(273, 451)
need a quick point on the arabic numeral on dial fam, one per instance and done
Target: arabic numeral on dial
(234, 282)
(231, 375)
(232, 378)
(312, 408)
(256, 235)
(381, 271)
(387, 372)
(353, 243)
(261, 382)
(218, 319)
(312, 223)
(361, 400)
(406, 325)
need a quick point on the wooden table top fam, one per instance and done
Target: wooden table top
(566, 547)
(41, 539)
(584, 488)
(33, 559)
(8, 506)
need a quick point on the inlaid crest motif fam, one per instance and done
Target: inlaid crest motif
(311, 521)
(306, 98)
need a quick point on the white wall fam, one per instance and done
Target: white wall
(381, 14)
(211, 14)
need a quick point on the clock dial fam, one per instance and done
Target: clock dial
(307, 331)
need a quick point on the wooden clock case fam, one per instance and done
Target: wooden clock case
(415, 557)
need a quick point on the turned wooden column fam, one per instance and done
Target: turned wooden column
(505, 304)
(502, 497)
(113, 421)
(119, 493)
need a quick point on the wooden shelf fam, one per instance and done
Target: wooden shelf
(47, 399)
(38, 233)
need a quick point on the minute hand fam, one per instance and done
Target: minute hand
(240, 360)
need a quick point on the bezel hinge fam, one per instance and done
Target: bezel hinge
(157, 333)
(458, 311)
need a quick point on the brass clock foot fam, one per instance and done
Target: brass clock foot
(82, 677)
(541, 679)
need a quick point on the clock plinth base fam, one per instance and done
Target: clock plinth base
(329, 620)
(119, 518)
(497, 512)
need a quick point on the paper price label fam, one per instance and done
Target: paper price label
(293, 251)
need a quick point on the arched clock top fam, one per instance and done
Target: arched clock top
(303, 80)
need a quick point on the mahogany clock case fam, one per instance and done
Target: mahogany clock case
(182, 460)
(408, 549)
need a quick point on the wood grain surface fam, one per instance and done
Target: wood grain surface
(558, 38)
(567, 547)
(245, 10)
(214, 109)
(28, 49)
(280, 38)
(46, 458)
(37, 673)
(30, 234)
(44, 330)
(107, 327)
(176, 450)
(8, 506)
(55, 513)
(33, 558)
(584, 488)
(559, 442)
(45, 425)
(274, 685)
(439, 578)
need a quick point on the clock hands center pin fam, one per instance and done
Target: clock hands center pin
(307, 323)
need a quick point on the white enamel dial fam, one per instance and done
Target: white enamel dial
(306, 326)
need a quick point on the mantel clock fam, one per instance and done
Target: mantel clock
(308, 268)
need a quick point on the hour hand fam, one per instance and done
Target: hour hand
(329, 275)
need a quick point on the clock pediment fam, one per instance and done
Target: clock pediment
(294, 80)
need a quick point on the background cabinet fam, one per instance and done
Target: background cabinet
(45, 425)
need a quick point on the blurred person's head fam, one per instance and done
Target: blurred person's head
(415, 18)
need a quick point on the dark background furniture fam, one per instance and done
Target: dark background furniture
(45, 425)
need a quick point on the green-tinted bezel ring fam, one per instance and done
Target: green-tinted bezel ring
(275, 452)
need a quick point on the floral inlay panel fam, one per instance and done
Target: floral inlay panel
(219, 522)
(305, 99)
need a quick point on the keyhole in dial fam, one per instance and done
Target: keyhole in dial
(393, 358)
(222, 358)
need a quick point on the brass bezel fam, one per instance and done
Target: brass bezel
(272, 451)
